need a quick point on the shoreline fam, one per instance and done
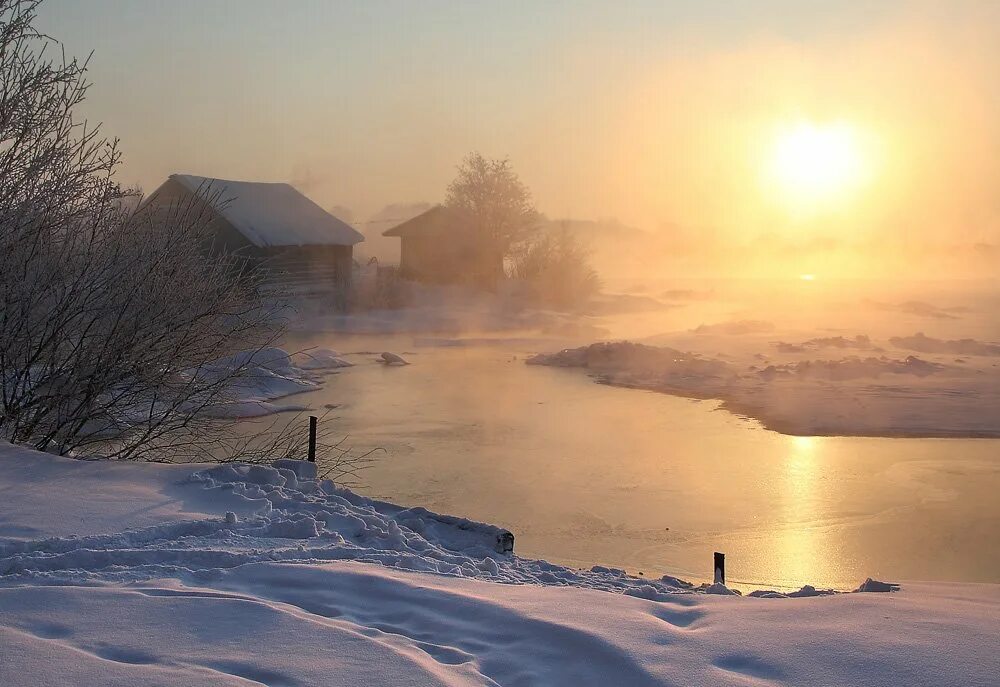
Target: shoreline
(758, 414)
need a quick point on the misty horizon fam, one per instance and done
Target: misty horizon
(658, 116)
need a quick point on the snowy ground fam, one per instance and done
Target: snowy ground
(125, 574)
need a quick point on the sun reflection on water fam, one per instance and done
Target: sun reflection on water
(800, 552)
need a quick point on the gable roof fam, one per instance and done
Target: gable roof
(438, 220)
(270, 214)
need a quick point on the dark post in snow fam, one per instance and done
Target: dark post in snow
(312, 438)
(720, 568)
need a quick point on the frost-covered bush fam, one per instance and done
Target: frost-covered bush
(109, 315)
(379, 288)
(553, 270)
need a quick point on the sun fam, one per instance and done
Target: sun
(812, 165)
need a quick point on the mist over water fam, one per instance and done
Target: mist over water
(587, 474)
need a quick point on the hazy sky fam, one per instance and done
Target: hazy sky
(658, 113)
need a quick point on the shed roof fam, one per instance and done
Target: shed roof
(271, 214)
(438, 220)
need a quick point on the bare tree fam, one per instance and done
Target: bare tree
(497, 205)
(113, 317)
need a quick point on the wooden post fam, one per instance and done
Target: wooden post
(312, 438)
(720, 568)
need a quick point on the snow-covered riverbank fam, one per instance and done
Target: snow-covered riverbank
(114, 573)
(832, 386)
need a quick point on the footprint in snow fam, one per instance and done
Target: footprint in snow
(749, 665)
(44, 630)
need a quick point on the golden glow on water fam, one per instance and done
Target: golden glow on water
(804, 445)
(799, 549)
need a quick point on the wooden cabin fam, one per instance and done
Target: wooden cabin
(440, 246)
(306, 250)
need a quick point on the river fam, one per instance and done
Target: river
(587, 474)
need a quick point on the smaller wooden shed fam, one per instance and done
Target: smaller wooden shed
(440, 246)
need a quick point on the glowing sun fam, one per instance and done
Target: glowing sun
(812, 164)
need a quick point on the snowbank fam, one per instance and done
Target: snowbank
(266, 375)
(283, 514)
(321, 359)
(861, 342)
(922, 343)
(736, 327)
(851, 395)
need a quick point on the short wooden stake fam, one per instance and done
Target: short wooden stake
(312, 438)
(720, 568)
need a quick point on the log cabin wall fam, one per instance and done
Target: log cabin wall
(308, 271)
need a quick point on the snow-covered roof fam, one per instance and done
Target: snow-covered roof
(439, 219)
(270, 214)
